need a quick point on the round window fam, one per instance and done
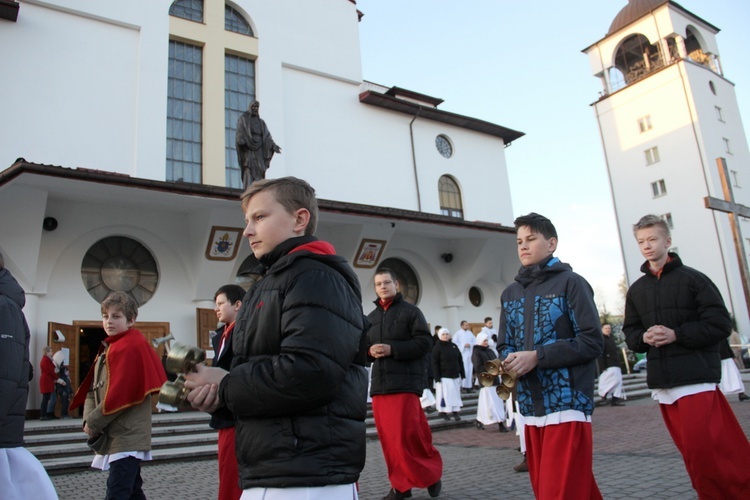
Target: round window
(475, 296)
(443, 146)
(119, 264)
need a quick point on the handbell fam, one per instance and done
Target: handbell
(508, 379)
(183, 358)
(503, 391)
(174, 393)
(487, 379)
(494, 367)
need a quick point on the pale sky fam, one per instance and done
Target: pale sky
(520, 65)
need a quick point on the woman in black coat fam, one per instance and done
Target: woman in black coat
(447, 368)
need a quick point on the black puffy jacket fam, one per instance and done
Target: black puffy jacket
(404, 328)
(611, 356)
(298, 383)
(447, 361)
(14, 361)
(688, 302)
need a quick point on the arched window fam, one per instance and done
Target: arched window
(450, 198)
(196, 92)
(233, 21)
(637, 58)
(192, 10)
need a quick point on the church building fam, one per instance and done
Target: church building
(119, 169)
(674, 142)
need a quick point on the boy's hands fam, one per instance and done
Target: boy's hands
(659, 335)
(522, 362)
(380, 350)
(204, 384)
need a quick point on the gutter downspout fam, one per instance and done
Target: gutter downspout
(414, 158)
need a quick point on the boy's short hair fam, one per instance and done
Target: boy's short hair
(651, 220)
(437, 328)
(537, 224)
(233, 293)
(385, 270)
(488, 318)
(292, 193)
(122, 301)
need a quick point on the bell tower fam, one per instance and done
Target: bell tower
(666, 114)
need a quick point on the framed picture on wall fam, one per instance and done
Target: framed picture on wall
(223, 243)
(369, 253)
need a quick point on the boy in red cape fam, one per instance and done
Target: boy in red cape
(116, 392)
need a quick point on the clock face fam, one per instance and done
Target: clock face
(444, 146)
(119, 264)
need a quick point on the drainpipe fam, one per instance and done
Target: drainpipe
(414, 158)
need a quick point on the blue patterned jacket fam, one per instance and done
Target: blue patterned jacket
(550, 310)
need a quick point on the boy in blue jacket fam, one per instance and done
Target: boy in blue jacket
(550, 329)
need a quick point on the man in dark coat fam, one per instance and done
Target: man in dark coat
(399, 340)
(255, 147)
(610, 373)
(676, 315)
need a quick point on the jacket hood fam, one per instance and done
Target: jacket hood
(10, 288)
(310, 247)
(541, 272)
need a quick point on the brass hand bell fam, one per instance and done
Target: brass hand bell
(508, 378)
(181, 359)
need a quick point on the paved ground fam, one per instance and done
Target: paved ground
(633, 458)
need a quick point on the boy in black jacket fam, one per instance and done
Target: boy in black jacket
(297, 385)
(676, 315)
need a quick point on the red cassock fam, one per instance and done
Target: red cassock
(134, 371)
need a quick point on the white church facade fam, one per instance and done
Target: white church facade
(119, 170)
(667, 113)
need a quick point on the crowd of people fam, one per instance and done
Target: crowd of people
(296, 360)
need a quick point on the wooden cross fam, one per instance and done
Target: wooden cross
(735, 211)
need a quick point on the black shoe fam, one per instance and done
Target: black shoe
(394, 494)
(618, 401)
(602, 402)
(430, 409)
(522, 467)
(456, 416)
(435, 489)
(445, 416)
(743, 396)
(479, 425)
(502, 427)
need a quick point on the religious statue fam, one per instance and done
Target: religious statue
(255, 147)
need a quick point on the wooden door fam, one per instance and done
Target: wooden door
(476, 328)
(205, 326)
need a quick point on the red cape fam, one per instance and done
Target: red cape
(134, 371)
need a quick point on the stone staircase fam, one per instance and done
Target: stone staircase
(61, 445)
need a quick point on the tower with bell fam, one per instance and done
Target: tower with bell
(667, 114)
